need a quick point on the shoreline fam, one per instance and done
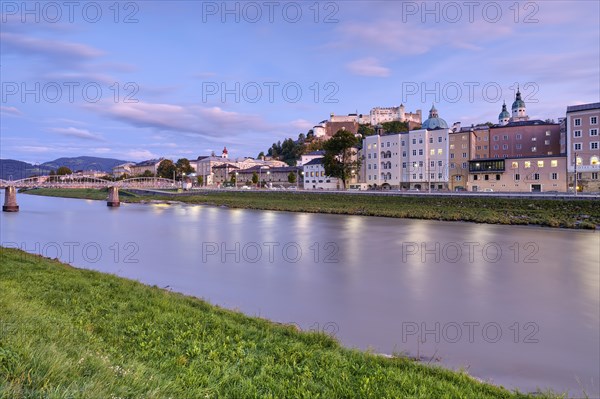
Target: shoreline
(553, 213)
(396, 373)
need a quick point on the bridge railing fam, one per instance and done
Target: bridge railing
(70, 181)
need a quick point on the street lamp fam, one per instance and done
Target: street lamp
(269, 177)
(236, 179)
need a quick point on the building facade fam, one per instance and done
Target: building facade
(583, 146)
(523, 174)
(417, 159)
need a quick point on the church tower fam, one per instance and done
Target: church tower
(224, 154)
(518, 109)
(504, 116)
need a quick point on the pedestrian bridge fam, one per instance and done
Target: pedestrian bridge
(70, 182)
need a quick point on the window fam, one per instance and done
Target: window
(486, 177)
(505, 146)
(533, 149)
(515, 165)
(594, 145)
(536, 176)
(432, 152)
(577, 121)
(548, 133)
(421, 151)
(527, 164)
(475, 177)
(414, 176)
(517, 177)
(374, 166)
(414, 152)
(369, 166)
(577, 146)
(577, 133)
(388, 144)
(554, 163)
(439, 175)
(403, 153)
(479, 147)
(414, 141)
(420, 176)
(440, 163)
(505, 137)
(451, 146)
(402, 142)
(594, 160)
(497, 177)
(440, 139)
(496, 138)
(404, 165)
(458, 178)
(594, 175)
(420, 140)
(374, 155)
(496, 146)
(540, 164)
(421, 164)
(452, 165)
(431, 140)
(593, 132)
(534, 139)
(432, 164)
(464, 165)
(485, 147)
(369, 156)
(518, 137)
(452, 156)
(432, 175)
(440, 151)
(579, 161)
(554, 176)
(593, 120)
(518, 146)
(547, 142)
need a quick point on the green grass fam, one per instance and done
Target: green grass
(72, 333)
(540, 212)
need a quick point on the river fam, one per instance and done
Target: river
(516, 306)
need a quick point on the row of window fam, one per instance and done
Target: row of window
(519, 136)
(578, 133)
(517, 177)
(593, 121)
(440, 139)
(593, 146)
(593, 160)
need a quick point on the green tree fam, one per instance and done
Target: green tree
(233, 178)
(366, 130)
(340, 156)
(291, 178)
(260, 155)
(63, 170)
(254, 177)
(183, 166)
(166, 169)
(148, 173)
(395, 126)
(200, 181)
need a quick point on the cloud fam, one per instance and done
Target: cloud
(368, 67)
(140, 155)
(59, 52)
(208, 122)
(10, 111)
(77, 133)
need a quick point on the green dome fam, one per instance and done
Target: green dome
(434, 121)
(504, 114)
(519, 103)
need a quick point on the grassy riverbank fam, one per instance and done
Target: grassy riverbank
(71, 333)
(542, 212)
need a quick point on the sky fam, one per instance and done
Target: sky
(136, 80)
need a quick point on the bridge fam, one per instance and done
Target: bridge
(69, 181)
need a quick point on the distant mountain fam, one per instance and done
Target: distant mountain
(11, 169)
(84, 163)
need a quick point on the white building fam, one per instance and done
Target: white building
(310, 156)
(414, 159)
(380, 115)
(315, 178)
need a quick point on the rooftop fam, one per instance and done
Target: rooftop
(583, 107)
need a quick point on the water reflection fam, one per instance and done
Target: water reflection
(378, 277)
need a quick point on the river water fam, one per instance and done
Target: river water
(516, 306)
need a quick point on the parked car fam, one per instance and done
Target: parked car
(246, 187)
(488, 190)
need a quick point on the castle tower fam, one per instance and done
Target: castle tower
(224, 154)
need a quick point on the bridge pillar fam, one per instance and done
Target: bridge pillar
(113, 197)
(10, 200)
